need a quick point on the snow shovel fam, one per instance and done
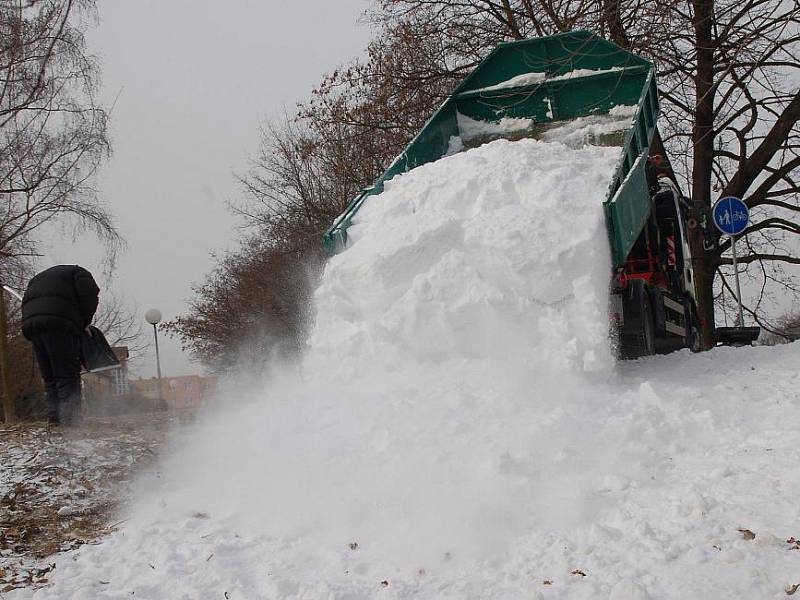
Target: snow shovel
(96, 353)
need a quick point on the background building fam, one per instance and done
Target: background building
(187, 391)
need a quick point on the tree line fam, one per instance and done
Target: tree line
(728, 74)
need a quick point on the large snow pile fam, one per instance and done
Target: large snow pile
(498, 253)
(459, 430)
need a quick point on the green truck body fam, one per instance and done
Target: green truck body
(546, 80)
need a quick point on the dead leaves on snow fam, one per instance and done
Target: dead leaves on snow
(747, 534)
(578, 572)
(575, 572)
(24, 578)
(57, 490)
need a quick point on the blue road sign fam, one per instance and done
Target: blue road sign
(731, 215)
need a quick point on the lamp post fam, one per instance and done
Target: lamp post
(153, 316)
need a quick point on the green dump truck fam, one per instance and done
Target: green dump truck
(545, 88)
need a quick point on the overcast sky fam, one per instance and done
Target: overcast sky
(193, 81)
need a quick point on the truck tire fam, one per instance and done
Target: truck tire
(694, 339)
(638, 335)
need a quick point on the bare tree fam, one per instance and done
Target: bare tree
(52, 132)
(300, 180)
(787, 329)
(120, 323)
(410, 68)
(251, 308)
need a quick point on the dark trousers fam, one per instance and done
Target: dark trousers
(58, 355)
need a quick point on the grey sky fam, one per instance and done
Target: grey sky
(193, 82)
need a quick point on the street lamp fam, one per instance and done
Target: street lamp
(153, 316)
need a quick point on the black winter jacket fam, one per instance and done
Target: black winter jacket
(62, 298)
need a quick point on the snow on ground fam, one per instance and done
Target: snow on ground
(458, 428)
(60, 486)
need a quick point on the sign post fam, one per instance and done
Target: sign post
(731, 217)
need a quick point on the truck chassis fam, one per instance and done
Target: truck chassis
(652, 306)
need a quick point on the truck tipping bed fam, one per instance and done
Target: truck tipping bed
(530, 84)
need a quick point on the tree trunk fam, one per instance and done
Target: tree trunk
(9, 415)
(612, 16)
(702, 165)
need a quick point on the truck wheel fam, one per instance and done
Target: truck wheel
(694, 339)
(646, 342)
(639, 335)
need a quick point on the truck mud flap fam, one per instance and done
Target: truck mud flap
(659, 314)
(637, 334)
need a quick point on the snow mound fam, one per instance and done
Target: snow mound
(498, 252)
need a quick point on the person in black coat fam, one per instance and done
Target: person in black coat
(58, 306)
